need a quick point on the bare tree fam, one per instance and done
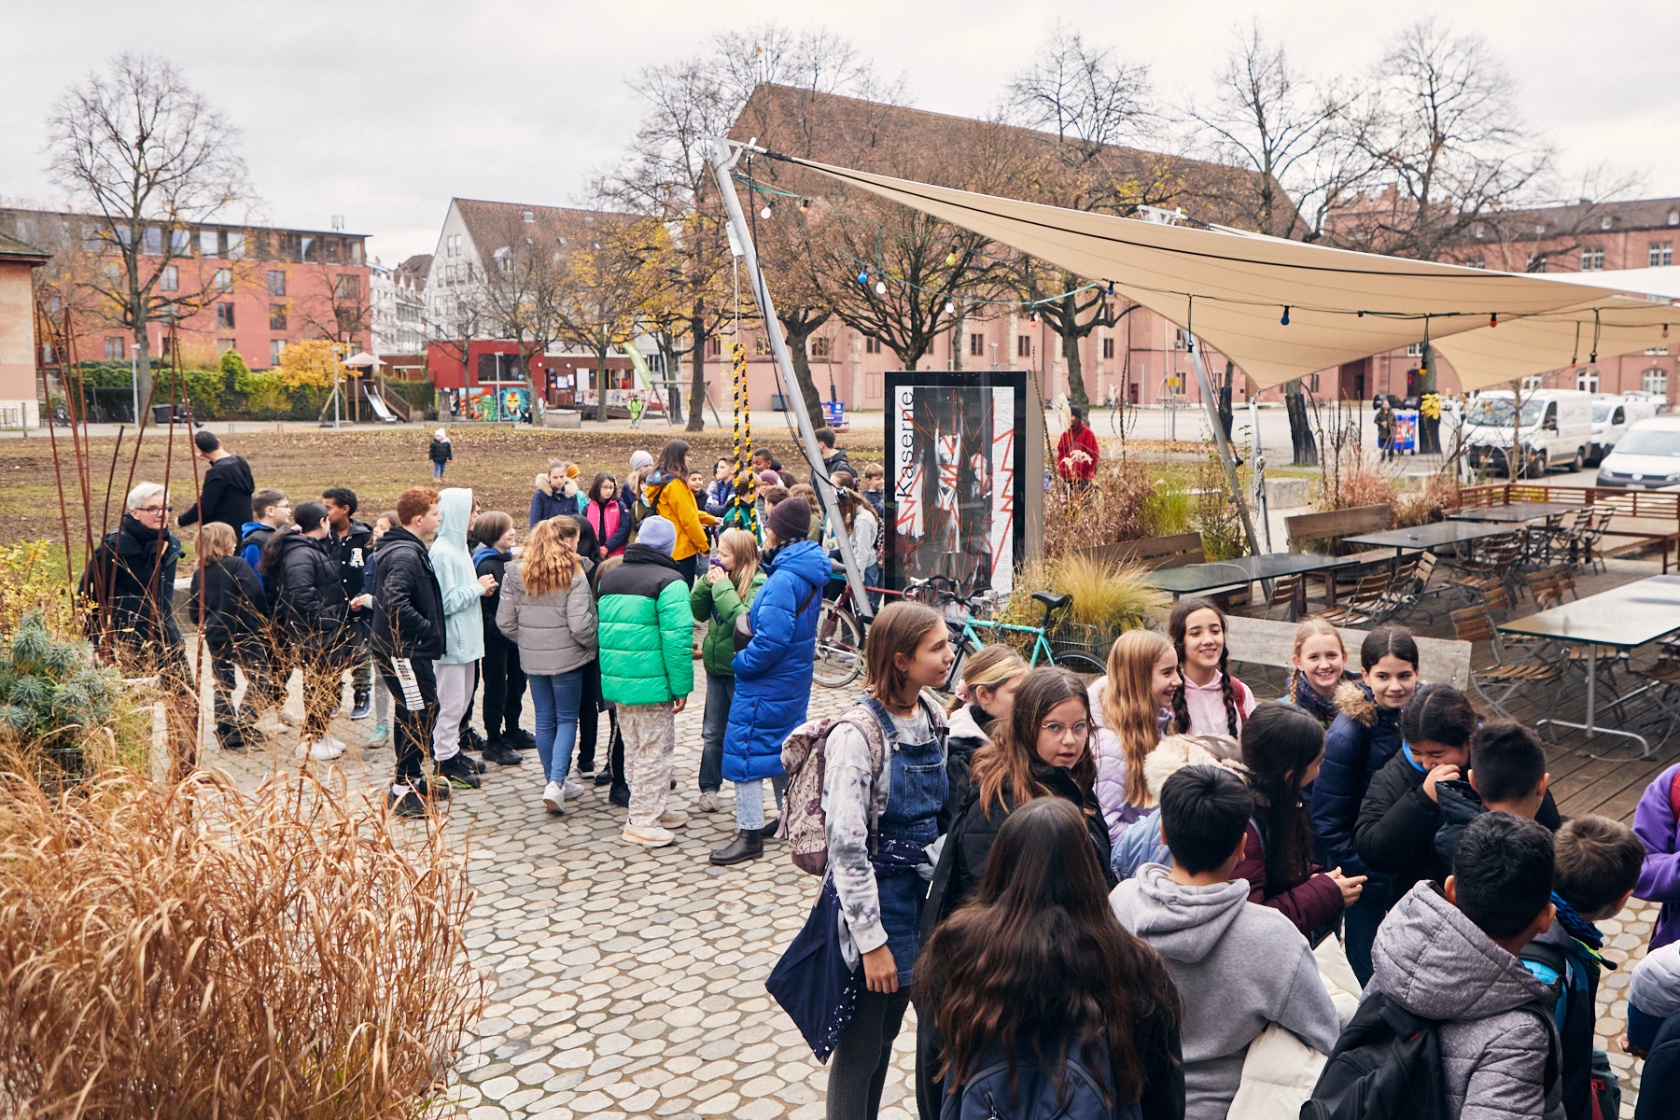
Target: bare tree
(523, 281)
(1090, 99)
(148, 158)
(603, 288)
(340, 310)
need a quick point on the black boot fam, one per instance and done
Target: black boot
(748, 844)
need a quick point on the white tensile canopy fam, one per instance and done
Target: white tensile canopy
(362, 358)
(1231, 290)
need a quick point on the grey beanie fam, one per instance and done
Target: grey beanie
(640, 459)
(657, 534)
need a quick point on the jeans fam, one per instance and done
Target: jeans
(555, 699)
(749, 802)
(504, 686)
(689, 566)
(437, 470)
(720, 693)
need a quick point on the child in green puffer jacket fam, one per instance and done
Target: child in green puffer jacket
(720, 597)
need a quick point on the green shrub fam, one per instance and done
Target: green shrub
(106, 375)
(53, 696)
(233, 365)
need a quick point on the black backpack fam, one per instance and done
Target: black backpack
(989, 1094)
(1386, 1066)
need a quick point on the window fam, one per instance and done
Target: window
(224, 280)
(1662, 253)
(224, 314)
(1592, 259)
(169, 280)
(356, 253)
(275, 349)
(276, 282)
(1586, 379)
(761, 346)
(1606, 222)
(235, 246)
(348, 287)
(1478, 231)
(1181, 339)
(1023, 346)
(151, 241)
(48, 358)
(714, 347)
(1657, 352)
(452, 245)
(976, 344)
(871, 346)
(1414, 350)
(180, 242)
(1476, 262)
(1674, 217)
(1108, 348)
(207, 243)
(820, 347)
(276, 316)
(1656, 383)
(223, 345)
(114, 350)
(306, 249)
(349, 319)
(529, 217)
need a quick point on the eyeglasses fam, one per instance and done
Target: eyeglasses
(1061, 730)
(155, 509)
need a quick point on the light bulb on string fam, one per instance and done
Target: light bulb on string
(951, 258)
(880, 287)
(765, 213)
(804, 206)
(1665, 330)
(1285, 320)
(1493, 320)
(1110, 288)
(863, 276)
(950, 308)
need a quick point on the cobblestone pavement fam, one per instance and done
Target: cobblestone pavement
(625, 982)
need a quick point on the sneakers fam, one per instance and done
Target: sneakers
(459, 771)
(648, 836)
(410, 804)
(287, 718)
(471, 740)
(520, 739)
(554, 798)
(575, 790)
(362, 705)
(324, 749)
(381, 736)
(478, 764)
(708, 801)
(603, 776)
(502, 753)
(673, 818)
(746, 845)
(430, 789)
(586, 768)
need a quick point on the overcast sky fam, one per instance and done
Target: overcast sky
(383, 111)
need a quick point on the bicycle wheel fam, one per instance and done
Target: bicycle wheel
(1087, 667)
(839, 648)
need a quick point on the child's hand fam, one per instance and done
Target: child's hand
(1446, 772)
(880, 972)
(1352, 886)
(488, 583)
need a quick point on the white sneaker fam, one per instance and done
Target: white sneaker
(649, 836)
(673, 818)
(321, 750)
(336, 743)
(554, 797)
(575, 790)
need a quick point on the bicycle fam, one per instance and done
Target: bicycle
(839, 657)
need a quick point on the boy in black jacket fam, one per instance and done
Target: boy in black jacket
(1507, 775)
(407, 635)
(348, 544)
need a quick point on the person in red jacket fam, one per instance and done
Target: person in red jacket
(1076, 451)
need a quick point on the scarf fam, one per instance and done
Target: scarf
(1309, 701)
(1583, 931)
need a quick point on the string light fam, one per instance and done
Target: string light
(951, 258)
(1110, 290)
(804, 206)
(863, 277)
(1665, 330)
(1493, 320)
(950, 308)
(1285, 319)
(880, 287)
(765, 213)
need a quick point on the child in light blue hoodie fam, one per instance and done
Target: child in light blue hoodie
(461, 588)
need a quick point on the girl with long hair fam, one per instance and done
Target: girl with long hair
(990, 680)
(1282, 749)
(608, 516)
(1210, 701)
(669, 495)
(1037, 972)
(719, 599)
(1130, 710)
(1365, 735)
(882, 813)
(548, 612)
(858, 521)
(1318, 663)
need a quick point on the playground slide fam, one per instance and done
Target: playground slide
(377, 403)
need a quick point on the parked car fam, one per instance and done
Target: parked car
(1647, 458)
(1554, 428)
(1611, 417)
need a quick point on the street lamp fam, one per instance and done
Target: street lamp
(134, 376)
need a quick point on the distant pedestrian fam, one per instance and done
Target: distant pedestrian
(1077, 451)
(440, 452)
(225, 493)
(634, 405)
(1387, 427)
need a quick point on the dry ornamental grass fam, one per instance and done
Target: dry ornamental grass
(194, 951)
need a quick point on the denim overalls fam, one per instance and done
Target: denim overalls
(917, 787)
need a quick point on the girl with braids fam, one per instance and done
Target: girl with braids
(1130, 711)
(1365, 735)
(1036, 973)
(1210, 701)
(1320, 666)
(1282, 749)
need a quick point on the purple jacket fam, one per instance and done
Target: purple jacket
(1659, 878)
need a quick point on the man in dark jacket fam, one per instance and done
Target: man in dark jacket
(834, 458)
(347, 544)
(407, 636)
(225, 494)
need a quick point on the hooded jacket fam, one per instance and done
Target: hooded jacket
(232, 603)
(555, 633)
(719, 605)
(253, 538)
(133, 577)
(1140, 836)
(1361, 741)
(967, 730)
(773, 673)
(1460, 804)
(224, 495)
(1655, 824)
(489, 562)
(646, 630)
(671, 499)
(610, 519)
(440, 451)
(309, 603)
(408, 616)
(545, 503)
(349, 555)
(1238, 968)
(1496, 1031)
(457, 580)
(1304, 696)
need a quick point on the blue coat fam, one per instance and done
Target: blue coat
(1361, 741)
(773, 674)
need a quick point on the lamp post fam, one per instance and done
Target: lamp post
(134, 376)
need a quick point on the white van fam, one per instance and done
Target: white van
(1555, 429)
(1611, 417)
(1647, 458)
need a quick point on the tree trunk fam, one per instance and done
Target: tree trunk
(1225, 417)
(142, 373)
(697, 386)
(797, 340)
(1068, 321)
(1302, 444)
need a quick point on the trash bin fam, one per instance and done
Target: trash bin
(160, 413)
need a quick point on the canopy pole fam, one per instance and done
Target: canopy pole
(722, 158)
(1223, 444)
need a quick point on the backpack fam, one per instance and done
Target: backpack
(1575, 1016)
(805, 758)
(1386, 1066)
(1029, 1093)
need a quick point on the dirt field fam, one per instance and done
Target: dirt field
(498, 463)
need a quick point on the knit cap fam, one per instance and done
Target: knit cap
(658, 534)
(790, 520)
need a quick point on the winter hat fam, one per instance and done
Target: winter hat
(769, 478)
(658, 534)
(440, 434)
(790, 520)
(640, 459)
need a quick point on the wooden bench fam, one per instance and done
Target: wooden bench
(1152, 552)
(1260, 641)
(1306, 529)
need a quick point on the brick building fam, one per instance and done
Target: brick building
(19, 399)
(259, 288)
